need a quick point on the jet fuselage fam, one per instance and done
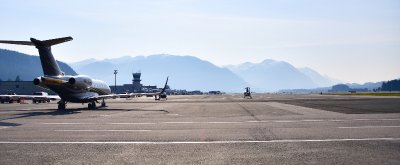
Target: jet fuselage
(76, 89)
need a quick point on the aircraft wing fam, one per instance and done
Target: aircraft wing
(144, 94)
(110, 96)
(132, 95)
(99, 97)
(51, 97)
(126, 95)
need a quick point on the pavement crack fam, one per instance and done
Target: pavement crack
(249, 112)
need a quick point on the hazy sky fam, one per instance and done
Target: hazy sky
(350, 40)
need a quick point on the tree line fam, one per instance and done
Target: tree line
(392, 85)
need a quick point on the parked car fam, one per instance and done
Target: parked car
(43, 99)
(9, 98)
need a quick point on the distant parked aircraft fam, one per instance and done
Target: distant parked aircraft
(157, 96)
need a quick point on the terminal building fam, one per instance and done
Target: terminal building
(22, 88)
(135, 87)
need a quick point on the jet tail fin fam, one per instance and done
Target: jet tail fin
(49, 64)
(35, 42)
(165, 86)
(51, 42)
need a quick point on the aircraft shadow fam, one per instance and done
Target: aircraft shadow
(53, 112)
(50, 113)
(103, 109)
(7, 124)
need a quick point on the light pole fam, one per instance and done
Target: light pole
(115, 80)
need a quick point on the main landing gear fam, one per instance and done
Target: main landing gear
(92, 105)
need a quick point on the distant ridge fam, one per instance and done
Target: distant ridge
(271, 76)
(185, 72)
(369, 86)
(192, 73)
(28, 67)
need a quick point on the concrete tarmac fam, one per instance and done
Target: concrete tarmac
(223, 129)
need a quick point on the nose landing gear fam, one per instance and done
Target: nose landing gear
(61, 105)
(103, 103)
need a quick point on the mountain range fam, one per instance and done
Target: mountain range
(185, 72)
(271, 75)
(191, 73)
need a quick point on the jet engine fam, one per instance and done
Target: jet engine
(37, 81)
(81, 82)
(48, 81)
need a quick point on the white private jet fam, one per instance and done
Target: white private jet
(74, 89)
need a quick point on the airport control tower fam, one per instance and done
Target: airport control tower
(137, 87)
